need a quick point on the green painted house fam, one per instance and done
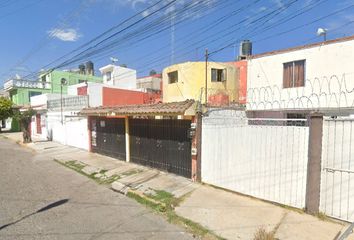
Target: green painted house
(21, 91)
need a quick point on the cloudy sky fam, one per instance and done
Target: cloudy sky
(36, 32)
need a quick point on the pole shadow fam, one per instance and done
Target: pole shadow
(49, 206)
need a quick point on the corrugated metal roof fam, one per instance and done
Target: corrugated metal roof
(172, 108)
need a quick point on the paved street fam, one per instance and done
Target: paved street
(40, 199)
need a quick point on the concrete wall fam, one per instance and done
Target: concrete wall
(94, 91)
(114, 96)
(44, 134)
(42, 99)
(328, 73)
(191, 80)
(73, 132)
(124, 77)
(121, 77)
(267, 161)
(21, 96)
(242, 77)
(149, 82)
(72, 79)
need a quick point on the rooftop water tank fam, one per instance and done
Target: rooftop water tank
(82, 69)
(89, 68)
(245, 49)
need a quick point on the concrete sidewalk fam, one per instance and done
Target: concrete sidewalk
(229, 215)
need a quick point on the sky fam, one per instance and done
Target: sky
(34, 33)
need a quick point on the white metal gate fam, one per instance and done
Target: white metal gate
(337, 179)
(265, 158)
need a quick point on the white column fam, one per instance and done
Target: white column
(127, 140)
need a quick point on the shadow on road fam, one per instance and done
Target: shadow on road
(52, 205)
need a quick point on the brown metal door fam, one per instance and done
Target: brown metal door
(161, 144)
(108, 137)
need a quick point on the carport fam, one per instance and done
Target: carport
(154, 135)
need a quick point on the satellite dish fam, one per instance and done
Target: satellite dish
(322, 32)
(113, 59)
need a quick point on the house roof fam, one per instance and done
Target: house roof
(328, 42)
(172, 108)
(157, 75)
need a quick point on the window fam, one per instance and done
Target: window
(172, 77)
(109, 76)
(32, 94)
(218, 75)
(294, 74)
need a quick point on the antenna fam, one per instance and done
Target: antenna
(113, 60)
(322, 32)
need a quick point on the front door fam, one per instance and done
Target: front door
(38, 124)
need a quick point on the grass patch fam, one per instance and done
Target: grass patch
(262, 234)
(146, 202)
(322, 216)
(76, 166)
(108, 180)
(168, 199)
(163, 203)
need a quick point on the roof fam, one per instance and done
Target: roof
(157, 75)
(172, 108)
(328, 42)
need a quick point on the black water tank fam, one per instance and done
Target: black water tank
(82, 69)
(89, 68)
(246, 48)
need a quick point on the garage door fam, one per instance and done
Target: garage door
(108, 137)
(161, 144)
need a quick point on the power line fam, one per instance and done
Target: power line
(292, 29)
(72, 60)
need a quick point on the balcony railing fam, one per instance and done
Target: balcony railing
(68, 103)
(20, 83)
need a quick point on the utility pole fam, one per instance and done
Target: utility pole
(206, 76)
(62, 82)
(172, 38)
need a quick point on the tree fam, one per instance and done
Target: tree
(5, 109)
(25, 119)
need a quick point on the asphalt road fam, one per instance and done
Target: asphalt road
(40, 199)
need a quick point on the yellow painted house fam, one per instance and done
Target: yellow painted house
(187, 81)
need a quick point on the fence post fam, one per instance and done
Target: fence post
(199, 146)
(127, 139)
(313, 184)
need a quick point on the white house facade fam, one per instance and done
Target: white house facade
(122, 77)
(315, 76)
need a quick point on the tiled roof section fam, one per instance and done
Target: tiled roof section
(344, 39)
(173, 108)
